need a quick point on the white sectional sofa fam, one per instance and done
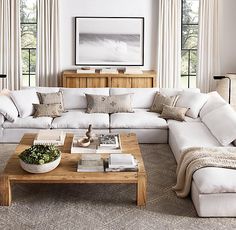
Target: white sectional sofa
(147, 125)
(213, 189)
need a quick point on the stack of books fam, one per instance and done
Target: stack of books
(121, 162)
(90, 163)
(50, 137)
(109, 143)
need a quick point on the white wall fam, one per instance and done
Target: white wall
(228, 36)
(71, 8)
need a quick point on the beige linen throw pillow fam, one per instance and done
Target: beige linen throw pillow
(174, 113)
(47, 110)
(51, 98)
(160, 100)
(109, 104)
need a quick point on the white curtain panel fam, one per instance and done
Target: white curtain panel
(169, 43)
(10, 49)
(48, 45)
(208, 47)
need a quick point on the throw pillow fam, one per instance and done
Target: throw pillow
(7, 108)
(47, 110)
(193, 101)
(51, 98)
(214, 101)
(222, 124)
(109, 104)
(174, 113)
(160, 100)
(24, 100)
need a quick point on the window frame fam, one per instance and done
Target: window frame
(188, 50)
(30, 49)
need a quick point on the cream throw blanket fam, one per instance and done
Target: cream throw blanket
(196, 158)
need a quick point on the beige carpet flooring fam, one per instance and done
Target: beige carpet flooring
(70, 206)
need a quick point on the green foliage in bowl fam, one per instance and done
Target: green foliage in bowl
(40, 154)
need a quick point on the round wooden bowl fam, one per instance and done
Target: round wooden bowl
(33, 168)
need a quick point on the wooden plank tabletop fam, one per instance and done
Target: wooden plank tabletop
(66, 171)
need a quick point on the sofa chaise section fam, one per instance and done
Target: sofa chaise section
(213, 189)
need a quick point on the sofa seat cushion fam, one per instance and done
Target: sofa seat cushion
(215, 180)
(29, 123)
(190, 134)
(78, 118)
(140, 119)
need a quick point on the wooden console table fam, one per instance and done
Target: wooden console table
(71, 79)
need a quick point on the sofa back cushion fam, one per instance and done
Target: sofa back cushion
(176, 91)
(74, 98)
(193, 101)
(143, 97)
(24, 100)
(222, 124)
(44, 89)
(109, 104)
(214, 101)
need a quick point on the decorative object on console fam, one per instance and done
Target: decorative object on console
(133, 70)
(40, 158)
(174, 113)
(109, 71)
(109, 104)
(87, 70)
(160, 100)
(106, 41)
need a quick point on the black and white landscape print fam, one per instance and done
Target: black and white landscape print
(109, 43)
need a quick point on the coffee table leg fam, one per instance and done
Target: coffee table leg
(5, 191)
(141, 190)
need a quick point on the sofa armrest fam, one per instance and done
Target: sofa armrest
(2, 119)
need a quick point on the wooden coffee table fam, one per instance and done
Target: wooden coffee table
(66, 171)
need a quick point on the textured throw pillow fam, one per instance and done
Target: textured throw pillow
(160, 100)
(109, 104)
(7, 108)
(24, 100)
(193, 101)
(47, 110)
(51, 98)
(222, 124)
(174, 113)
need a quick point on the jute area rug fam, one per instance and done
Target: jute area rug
(73, 206)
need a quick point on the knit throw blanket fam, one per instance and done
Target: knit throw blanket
(196, 158)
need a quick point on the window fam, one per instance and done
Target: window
(189, 43)
(28, 17)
